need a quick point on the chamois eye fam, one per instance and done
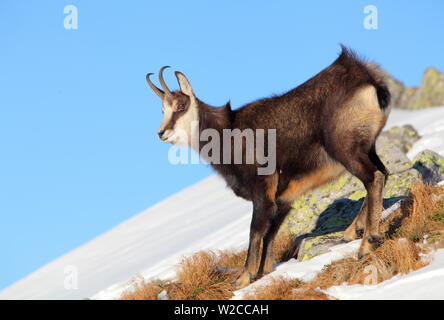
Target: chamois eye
(181, 107)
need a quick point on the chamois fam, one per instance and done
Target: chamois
(325, 126)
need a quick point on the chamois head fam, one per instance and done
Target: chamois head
(179, 109)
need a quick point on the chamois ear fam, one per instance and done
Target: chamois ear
(184, 84)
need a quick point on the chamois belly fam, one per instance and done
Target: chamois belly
(298, 185)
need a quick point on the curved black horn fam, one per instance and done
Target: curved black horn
(162, 82)
(156, 90)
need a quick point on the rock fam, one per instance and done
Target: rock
(430, 165)
(394, 159)
(429, 94)
(330, 226)
(313, 246)
(319, 217)
(431, 91)
(403, 137)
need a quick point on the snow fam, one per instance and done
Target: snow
(425, 283)
(428, 122)
(208, 216)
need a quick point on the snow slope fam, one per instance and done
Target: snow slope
(204, 216)
(428, 122)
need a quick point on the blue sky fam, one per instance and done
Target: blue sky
(79, 150)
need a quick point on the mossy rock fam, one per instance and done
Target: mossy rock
(330, 226)
(403, 137)
(430, 165)
(311, 247)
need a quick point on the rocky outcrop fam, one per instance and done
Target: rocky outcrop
(429, 94)
(403, 137)
(319, 217)
(430, 165)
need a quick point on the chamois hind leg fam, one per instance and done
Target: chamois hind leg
(377, 162)
(262, 210)
(373, 179)
(357, 226)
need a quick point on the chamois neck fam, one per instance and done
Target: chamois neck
(217, 118)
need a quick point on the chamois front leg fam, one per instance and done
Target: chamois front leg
(267, 259)
(263, 208)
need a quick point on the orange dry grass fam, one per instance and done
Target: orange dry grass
(198, 278)
(285, 289)
(143, 291)
(205, 275)
(421, 214)
(391, 258)
(283, 246)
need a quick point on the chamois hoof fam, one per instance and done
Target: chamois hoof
(369, 243)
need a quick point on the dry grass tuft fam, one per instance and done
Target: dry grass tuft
(206, 274)
(284, 246)
(140, 290)
(198, 278)
(393, 257)
(422, 214)
(285, 289)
